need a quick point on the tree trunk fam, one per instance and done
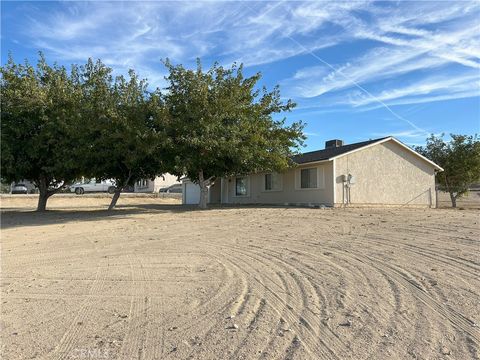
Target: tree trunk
(118, 190)
(43, 195)
(453, 198)
(115, 197)
(202, 204)
(42, 201)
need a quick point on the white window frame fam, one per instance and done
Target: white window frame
(280, 182)
(320, 178)
(142, 183)
(235, 186)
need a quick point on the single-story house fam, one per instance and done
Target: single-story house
(154, 186)
(380, 172)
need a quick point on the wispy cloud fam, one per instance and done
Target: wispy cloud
(418, 39)
(138, 33)
(427, 89)
(377, 66)
(409, 137)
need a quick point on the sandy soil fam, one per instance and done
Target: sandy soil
(160, 281)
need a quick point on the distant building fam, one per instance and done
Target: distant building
(154, 186)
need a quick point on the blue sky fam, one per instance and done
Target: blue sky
(357, 70)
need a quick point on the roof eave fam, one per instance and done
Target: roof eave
(437, 167)
(312, 162)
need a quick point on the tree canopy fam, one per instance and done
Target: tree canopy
(58, 125)
(460, 159)
(222, 125)
(124, 131)
(40, 113)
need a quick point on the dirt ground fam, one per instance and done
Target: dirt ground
(153, 280)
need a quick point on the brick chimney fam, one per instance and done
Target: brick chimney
(333, 143)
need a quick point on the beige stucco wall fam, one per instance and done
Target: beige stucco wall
(386, 174)
(289, 193)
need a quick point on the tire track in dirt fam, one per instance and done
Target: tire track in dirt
(282, 305)
(456, 318)
(298, 264)
(71, 335)
(392, 313)
(153, 331)
(386, 276)
(454, 266)
(426, 306)
(277, 344)
(304, 267)
(385, 320)
(421, 328)
(447, 260)
(257, 314)
(300, 319)
(407, 282)
(132, 342)
(275, 314)
(204, 323)
(212, 333)
(415, 281)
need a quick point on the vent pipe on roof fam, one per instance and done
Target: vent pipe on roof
(333, 143)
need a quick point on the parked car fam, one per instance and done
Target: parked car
(175, 188)
(93, 186)
(19, 189)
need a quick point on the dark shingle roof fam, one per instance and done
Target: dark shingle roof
(328, 153)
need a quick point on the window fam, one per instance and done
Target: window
(268, 182)
(142, 183)
(308, 178)
(241, 186)
(273, 182)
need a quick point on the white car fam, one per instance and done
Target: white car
(19, 189)
(93, 186)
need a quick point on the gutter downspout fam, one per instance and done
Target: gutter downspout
(334, 184)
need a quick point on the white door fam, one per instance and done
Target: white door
(98, 185)
(105, 185)
(192, 193)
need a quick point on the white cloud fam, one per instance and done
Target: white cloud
(431, 89)
(413, 41)
(403, 134)
(414, 38)
(375, 65)
(256, 33)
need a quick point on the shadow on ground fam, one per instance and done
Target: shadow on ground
(11, 217)
(14, 217)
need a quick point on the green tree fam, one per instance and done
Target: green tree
(222, 125)
(460, 159)
(124, 132)
(39, 114)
